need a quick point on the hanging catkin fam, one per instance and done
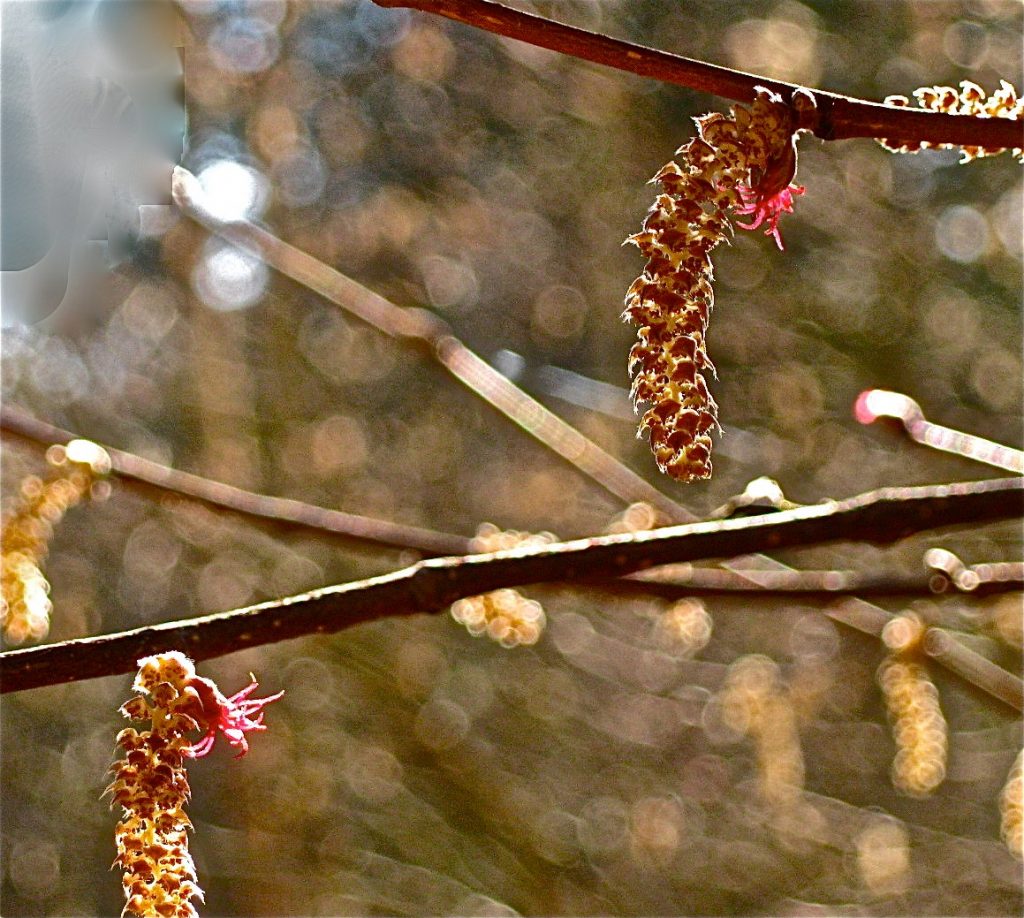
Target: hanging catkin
(743, 163)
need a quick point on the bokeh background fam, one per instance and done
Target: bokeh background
(411, 768)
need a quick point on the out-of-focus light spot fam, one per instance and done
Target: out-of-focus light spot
(300, 178)
(1006, 221)
(450, 284)
(776, 47)
(961, 234)
(244, 45)
(604, 826)
(883, 858)
(441, 724)
(559, 312)
(425, 55)
(995, 376)
(227, 279)
(232, 191)
(58, 372)
(34, 867)
(379, 27)
(965, 43)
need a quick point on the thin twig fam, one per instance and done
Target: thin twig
(707, 581)
(878, 516)
(873, 404)
(988, 577)
(942, 646)
(423, 328)
(671, 580)
(219, 495)
(835, 116)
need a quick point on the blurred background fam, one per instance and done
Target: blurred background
(411, 768)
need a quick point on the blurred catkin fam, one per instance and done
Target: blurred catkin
(741, 162)
(918, 725)
(756, 703)
(505, 616)
(76, 471)
(969, 100)
(1011, 807)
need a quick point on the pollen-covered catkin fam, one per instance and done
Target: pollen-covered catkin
(505, 616)
(969, 100)
(76, 471)
(741, 162)
(151, 786)
(918, 725)
(150, 783)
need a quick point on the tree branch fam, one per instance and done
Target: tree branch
(873, 404)
(432, 334)
(943, 647)
(669, 581)
(878, 516)
(836, 116)
(684, 579)
(148, 474)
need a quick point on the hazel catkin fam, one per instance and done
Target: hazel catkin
(742, 162)
(76, 471)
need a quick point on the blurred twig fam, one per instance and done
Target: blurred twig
(669, 580)
(217, 494)
(878, 516)
(880, 403)
(423, 328)
(835, 116)
(990, 577)
(942, 646)
(675, 579)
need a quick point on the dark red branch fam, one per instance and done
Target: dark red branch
(879, 516)
(836, 116)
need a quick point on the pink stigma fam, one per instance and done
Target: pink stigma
(768, 209)
(231, 716)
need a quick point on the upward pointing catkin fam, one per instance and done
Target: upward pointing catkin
(744, 162)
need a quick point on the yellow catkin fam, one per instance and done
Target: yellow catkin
(918, 725)
(742, 162)
(151, 786)
(755, 703)
(1011, 806)
(505, 616)
(75, 472)
(970, 99)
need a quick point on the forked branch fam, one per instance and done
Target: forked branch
(834, 117)
(878, 516)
